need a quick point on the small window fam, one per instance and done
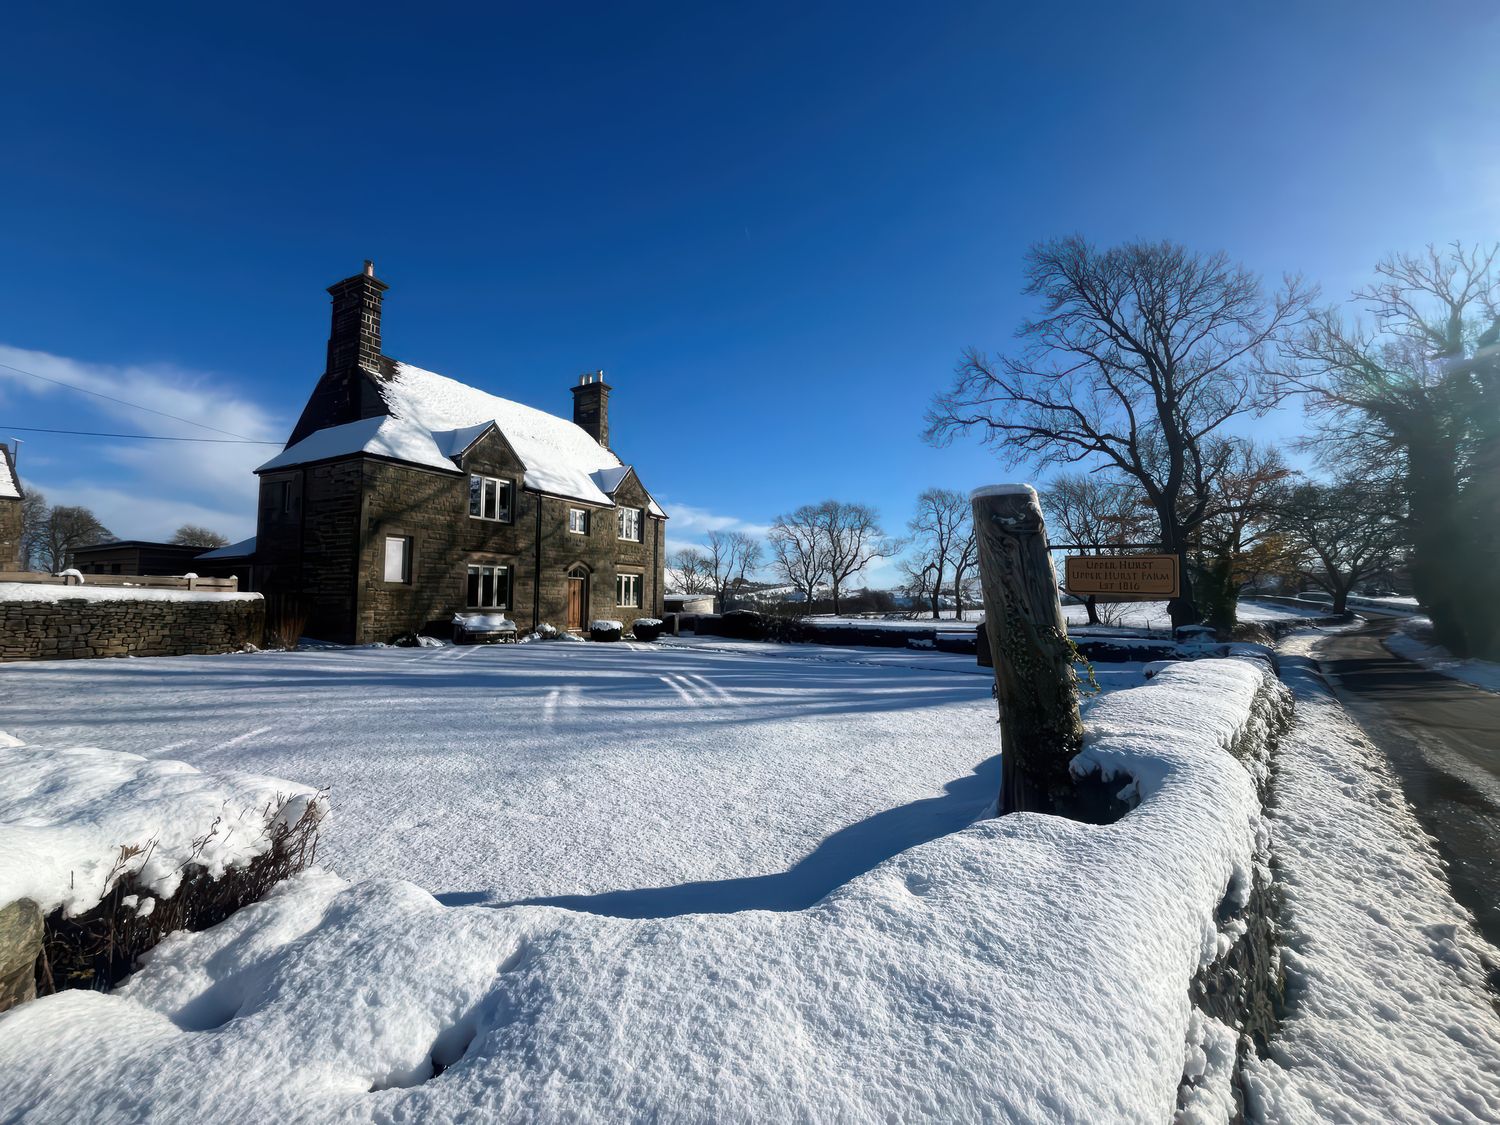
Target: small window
(489, 587)
(578, 521)
(397, 558)
(489, 498)
(628, 590)
(276, 498)
(630, 524)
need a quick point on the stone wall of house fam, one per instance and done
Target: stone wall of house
(10, 533)
(432, 510)
(72, 628)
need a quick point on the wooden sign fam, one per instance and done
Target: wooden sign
(1122, 578)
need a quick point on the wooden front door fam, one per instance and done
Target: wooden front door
(576, 602)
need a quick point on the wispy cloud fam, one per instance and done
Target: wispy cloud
(138, 489)
(688, 522)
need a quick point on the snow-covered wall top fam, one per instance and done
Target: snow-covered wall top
(65, 815)
(1026, 968)
(46, 592)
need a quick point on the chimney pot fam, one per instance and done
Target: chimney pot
(369, 268)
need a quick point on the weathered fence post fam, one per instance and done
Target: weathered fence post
(1040, 730)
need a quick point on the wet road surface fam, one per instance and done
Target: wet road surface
(1443, 738)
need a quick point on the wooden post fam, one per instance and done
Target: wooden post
(1036, 686)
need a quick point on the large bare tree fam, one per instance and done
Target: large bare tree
(852, 539)
(1240, 539)
(797, 551)
(1344, 532)
(732, 557)
(1419, 385)
(1140, 354)
(689, 571)
(193, 535)
(941, 530)
(65, 529)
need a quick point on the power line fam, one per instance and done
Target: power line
(122, 402)
(142, 437)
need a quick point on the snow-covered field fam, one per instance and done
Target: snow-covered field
(1413, 641)
(550, 769)
(1030, 968)
(1392, 1020)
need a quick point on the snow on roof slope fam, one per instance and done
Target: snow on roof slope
(397, 438)
(243, 548)
(434, 419)
(9, 489)
(559, 456)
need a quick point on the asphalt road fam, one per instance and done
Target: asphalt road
(1443, 738)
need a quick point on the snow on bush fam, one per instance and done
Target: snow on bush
(646, 628)
(75, 822)
(606, 630)
(1024, 968)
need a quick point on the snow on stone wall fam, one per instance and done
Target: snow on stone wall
(1025, 968)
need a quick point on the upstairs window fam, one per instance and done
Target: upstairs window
(628, 590)
(489, 498)
(630, 524)
(276, 498)
(578, 521)
(398, 558)
(489, 587)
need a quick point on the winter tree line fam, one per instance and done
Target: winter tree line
(1132, 395)
(51, 533)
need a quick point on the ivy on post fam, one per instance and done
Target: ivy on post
(1040, 729)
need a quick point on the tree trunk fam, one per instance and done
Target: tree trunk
(1340, 599)
(1092, 605)
(1040, 729)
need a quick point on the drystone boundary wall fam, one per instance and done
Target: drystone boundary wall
(63, 628)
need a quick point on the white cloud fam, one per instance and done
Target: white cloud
(695, 523)
(139, 489)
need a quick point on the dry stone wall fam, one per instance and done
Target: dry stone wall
(71, 628)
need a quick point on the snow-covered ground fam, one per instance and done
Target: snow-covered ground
(1134, 615)
(1392, 1018)
(548, 769)
(1413, 642)
(1029, 968)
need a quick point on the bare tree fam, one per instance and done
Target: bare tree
(689, 571)
(66, 529)
(1141, 353)
(852, 539)
(191, 535)
(797, 551)
(1347, 530)
(34, 514)
(941, 527)
(732, 555)
(1421, 385)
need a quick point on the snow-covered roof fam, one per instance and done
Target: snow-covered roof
(240, 550)
(434, 419)
(9, 488)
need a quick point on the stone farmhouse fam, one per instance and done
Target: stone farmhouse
(403, 497)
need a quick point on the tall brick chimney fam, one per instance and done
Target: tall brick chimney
(350, 386)
(354, 341)
(591, 406)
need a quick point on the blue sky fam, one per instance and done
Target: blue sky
(774, 226)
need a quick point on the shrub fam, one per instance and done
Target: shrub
(286, 617)
(647, 628)
(606, 630)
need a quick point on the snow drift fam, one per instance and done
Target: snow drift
(1025, 968)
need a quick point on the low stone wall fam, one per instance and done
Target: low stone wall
(64, 628)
